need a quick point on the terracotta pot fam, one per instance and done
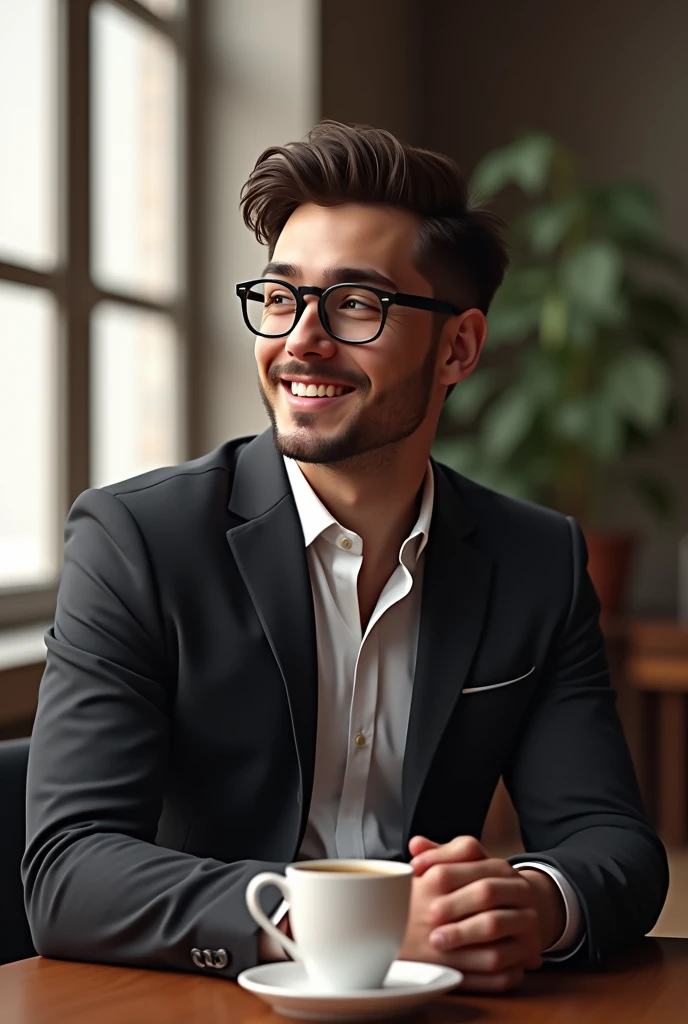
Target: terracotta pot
(609, 562)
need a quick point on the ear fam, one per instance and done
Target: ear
(462, 342)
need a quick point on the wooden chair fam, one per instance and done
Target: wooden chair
(656, 669)
(15, 937)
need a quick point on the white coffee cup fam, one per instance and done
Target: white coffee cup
(348, 918)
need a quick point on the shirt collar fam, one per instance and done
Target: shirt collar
(315, 518)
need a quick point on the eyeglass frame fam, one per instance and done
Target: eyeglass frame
(299, 292)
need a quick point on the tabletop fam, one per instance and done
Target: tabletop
(647, 986)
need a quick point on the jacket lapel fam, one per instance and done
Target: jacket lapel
(456, 586)
(268, 546)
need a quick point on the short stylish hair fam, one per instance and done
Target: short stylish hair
(460, 248)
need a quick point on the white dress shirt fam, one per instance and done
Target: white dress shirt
(365, 682)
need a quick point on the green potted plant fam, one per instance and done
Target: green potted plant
(578, 367)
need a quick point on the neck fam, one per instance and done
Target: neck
(376, 496)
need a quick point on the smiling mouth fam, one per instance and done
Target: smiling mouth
(316, 390)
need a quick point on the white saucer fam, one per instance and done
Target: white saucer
(408, 985)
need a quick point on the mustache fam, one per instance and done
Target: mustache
(295, 369)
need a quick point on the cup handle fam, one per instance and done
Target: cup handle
(252, 890)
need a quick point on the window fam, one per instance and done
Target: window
(95, 175)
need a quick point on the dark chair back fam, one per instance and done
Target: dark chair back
(15, 937)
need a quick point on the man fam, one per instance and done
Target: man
(318, 642)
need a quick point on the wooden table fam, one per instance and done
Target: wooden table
(648, 986)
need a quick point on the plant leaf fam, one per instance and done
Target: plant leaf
(629, 211)
(532, 154)
(606, 432)
(638, 386)
(506, 423)
(587, 421)
(526, 283)
(459, 453)
(571, 418)
(539, 376)
(470, 395)
(544, 227)
(656, 252)
(510, 321)
(525, 162)
(582, 328)
(591, 276)
(554, 317)
(463, 455)
(501, 479)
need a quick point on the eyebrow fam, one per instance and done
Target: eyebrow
(335, 275)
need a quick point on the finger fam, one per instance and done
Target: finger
(495, 958)
(463, 848)
(505, 981)
(476, 897)
(419, 844)
(488, 928)
(449, 878)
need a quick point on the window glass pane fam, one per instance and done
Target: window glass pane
(134, 195)
(134, 383)
(28, 446)
(27, 131)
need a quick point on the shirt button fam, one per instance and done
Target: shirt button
(346, 543)
(360, 740)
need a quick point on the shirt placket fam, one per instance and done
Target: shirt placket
(351, 832)
(349, 835)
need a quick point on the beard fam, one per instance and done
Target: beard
(372, 432)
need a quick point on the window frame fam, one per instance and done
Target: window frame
(70, 282)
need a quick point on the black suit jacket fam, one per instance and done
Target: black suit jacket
(173, 750)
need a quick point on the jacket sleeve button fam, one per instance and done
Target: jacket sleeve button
(217, 958)
(197, 958)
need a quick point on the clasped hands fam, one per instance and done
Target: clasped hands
(474, 913)
(478, 914)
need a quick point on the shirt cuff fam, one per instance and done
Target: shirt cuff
(280, 913)
(273, 950)
(574, 934)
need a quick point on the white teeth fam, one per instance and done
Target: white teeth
(316, 390)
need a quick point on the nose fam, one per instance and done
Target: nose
(309, 339)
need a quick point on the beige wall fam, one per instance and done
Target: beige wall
(262, 87)
(371, 67)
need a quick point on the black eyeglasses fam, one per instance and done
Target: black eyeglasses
(352, 313)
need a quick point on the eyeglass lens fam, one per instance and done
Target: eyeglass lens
(353, 312)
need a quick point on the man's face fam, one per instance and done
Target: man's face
(389, 383)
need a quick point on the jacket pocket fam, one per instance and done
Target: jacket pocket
(497, 686)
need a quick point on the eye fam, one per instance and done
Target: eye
(279, 299)
(358, 303)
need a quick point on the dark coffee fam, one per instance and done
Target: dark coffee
(344, 869)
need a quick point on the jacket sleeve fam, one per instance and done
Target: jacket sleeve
(574, 788)
(96, 885)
